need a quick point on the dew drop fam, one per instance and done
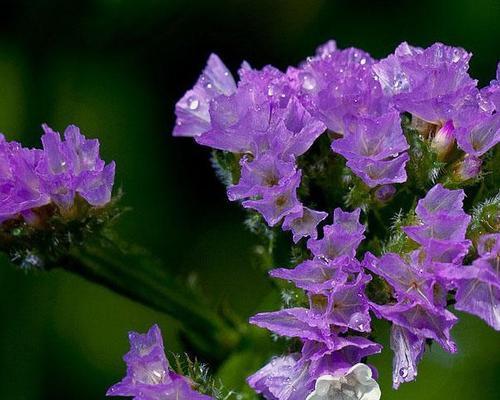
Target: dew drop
(358, 322)
(456, 56)
(401, 82)
(403, 372)
(308, 81)
(193, 103)
(362, 61)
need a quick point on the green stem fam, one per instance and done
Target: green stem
(147, 282)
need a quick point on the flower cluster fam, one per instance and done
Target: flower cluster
(149, 376)
(433, 85)
(380, 116)
(56, 174)
(269, 118)
(419, 282)
(331, 328)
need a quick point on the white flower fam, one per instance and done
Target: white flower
(356, 384)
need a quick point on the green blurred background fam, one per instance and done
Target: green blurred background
(116, 68)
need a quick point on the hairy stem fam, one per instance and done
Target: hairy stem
(149, 283)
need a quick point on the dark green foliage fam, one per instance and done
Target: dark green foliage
(226, 166)
(424, 169)
(485, 218)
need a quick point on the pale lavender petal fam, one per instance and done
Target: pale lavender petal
(304, 224)
(376, 138)
(314, 275)
(192, 109)
(278, 201)
(375, 173)
(426, 322)
(260, 174)
(292, 322)
(408, 351)
(478, 138)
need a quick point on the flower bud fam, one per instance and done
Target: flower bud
(385, 193)
(443, 140)
(467, 168)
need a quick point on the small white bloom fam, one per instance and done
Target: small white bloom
(356, 384)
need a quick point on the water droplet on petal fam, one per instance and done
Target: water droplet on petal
(308, 81)
(403, 372)
(401, 82)
(193, 103)
(358, 321)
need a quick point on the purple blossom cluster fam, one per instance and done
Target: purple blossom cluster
(332, 329)
(423, 280)
(268, 119)
(433, 85)
(149, 376)
(55, 174)
(263, 121)
(420, 280)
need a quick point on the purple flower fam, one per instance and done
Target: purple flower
(481, 135)
(408, 281)
(293, 377)
(237, 122)
(339, 83)
(375, 173)
(347, 305)
(295, 322)
(149, 376)
(21, 189)
(491, 93)
(192, 109)
(344, 306)
(430, 83)
(423, 321)
(340, 356)
(32, 178)
(278, 201)
(442, 216)
(315, 275)
(374, 148)
(341, 238)
(72, 166)
(408, 351)
(478, 285)
(304, 223)
(258, 175)
(440, 201)
(375, 139)
(283, 378)
(251, 124)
